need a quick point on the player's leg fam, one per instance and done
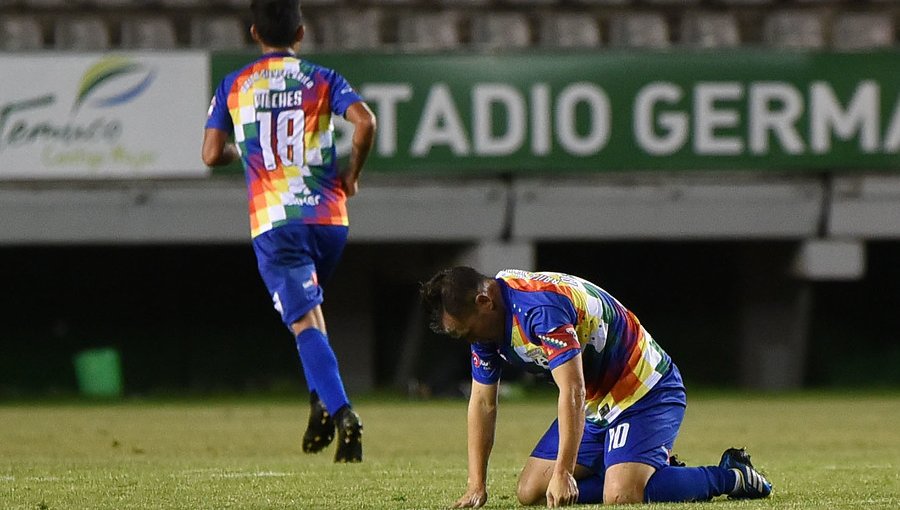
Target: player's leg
(326, 243)
(286, 263)
(316, 354)
(637, 453)
(639, 468)
(535, 476)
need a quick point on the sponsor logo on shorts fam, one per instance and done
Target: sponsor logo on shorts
(538, 357)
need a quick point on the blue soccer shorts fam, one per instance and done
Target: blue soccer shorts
(294, 261)
(644, 433)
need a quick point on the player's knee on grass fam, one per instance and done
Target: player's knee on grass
(622, 496)
(531, 490)
(530, 495)
(625, 483)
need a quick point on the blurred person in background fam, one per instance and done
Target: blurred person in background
(279, 109)
(621, 398)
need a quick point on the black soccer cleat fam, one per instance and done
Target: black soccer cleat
(751, 484)
(320, 430)
(349, 444)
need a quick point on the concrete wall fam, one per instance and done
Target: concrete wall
(825, 222)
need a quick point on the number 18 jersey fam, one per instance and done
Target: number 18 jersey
(280, 110)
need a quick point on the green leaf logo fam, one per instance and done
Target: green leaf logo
(111, 70)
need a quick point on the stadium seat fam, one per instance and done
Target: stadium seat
(710, 30)
(639, 30)
(672, 2)
(464, 3)
(745, 2)
(218, 33)
(351, 30)
(19, 33)
(148, 33)
(569, 30)
(47, 4)
(526, 3)
(81, 34)
(429, 31)
(794, 29)
(602, 2)
(859, 31)
(188, 4)
(501, 30)
(314, 5)
(109, 4)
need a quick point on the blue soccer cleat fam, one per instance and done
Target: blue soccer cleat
(751, 484)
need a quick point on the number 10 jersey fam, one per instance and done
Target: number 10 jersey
(280, 110)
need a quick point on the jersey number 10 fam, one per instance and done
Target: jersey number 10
(286, 139)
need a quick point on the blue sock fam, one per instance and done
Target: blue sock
(310, 384)
(672, 484)
(590, 489)
(319, 362)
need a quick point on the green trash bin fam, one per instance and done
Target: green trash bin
(99, 373)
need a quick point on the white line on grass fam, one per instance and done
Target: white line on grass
(258, 474)
(218, 473)
(854, 468)
(201, 471)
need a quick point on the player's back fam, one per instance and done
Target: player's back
(280, 109)
(621, 360)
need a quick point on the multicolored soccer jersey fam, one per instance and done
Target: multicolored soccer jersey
(551, 317)
(280, 110)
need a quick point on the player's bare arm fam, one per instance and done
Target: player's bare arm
(364, 126)
(569, 378)
(216, 149)
(481, 420)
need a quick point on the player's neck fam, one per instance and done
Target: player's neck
(266, 49)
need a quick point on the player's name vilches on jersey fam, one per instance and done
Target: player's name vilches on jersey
(269, 100)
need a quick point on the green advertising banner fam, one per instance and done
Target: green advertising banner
(620, 111)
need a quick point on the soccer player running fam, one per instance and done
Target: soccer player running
(280, 109)
(621, 398)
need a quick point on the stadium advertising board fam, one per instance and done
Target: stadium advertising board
(750, 110)
(86, 116)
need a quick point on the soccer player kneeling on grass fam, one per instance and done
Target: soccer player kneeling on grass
(280, 109)
(621, 398)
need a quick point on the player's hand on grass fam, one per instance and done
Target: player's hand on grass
(475, 497)
(562, 490)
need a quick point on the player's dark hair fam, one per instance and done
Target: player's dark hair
(453, 291)
(276, 21)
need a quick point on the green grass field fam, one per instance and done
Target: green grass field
(820, 451)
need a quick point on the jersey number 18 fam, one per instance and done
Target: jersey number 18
(286, 139)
